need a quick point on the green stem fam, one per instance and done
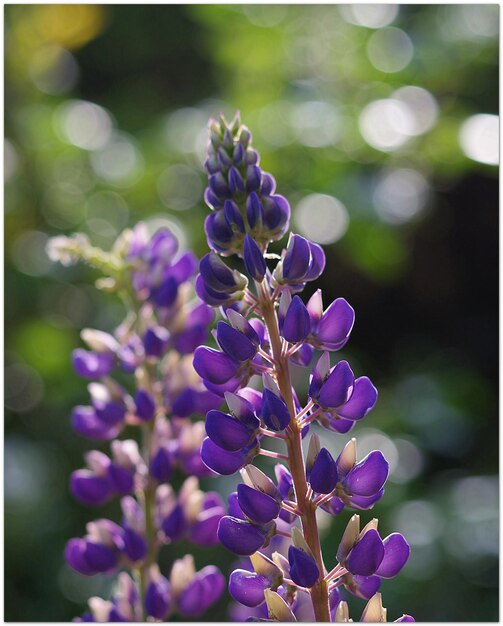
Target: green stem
(148, 493)
(319, 592)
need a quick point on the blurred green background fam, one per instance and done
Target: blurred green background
(380, 123)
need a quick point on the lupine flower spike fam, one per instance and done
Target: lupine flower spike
(266, 325)
(153, 347)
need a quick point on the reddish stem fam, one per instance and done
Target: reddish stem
(307, 509)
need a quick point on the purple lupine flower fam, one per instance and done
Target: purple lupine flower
(224, 462)
(365, 553)
(92, 365)
(303, 261)
(323, 476)
(243, 537)
(194, 592)
(235, 181)
(246, 217)
(156, 344)
(303, 568)
(342, 399)
(274, 412)
(217, 285)
(258, 506)
(330, 329)
(92, 486)
(248, 587)
(254, 259)
(201, 592)
(158, 594)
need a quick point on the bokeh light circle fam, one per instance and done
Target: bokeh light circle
(83, 124)
(321, 218)
(370, 15)
(390, 50)
(479, 138)
(386, 124)
(400, 195)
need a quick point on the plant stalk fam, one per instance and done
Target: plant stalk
(307, 508)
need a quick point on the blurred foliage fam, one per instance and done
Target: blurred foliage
(380, 125)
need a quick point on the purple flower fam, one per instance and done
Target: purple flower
(243, 537)
(366, 555)
(303, 568)
(155, 341)
(89, 488)
(145, 405)
(258, 507)
(297, 323)
(202, 591)
(275, 413)
(88, 423)
(157, 595)
(330, 329)
(396, 554)
(343, 399)
(235, 178)
(248, 587)
(214, 366)
(254, 259)
(224, 462)
(368, 476)
(229, 432)
(161, 465)
(323, 476)
(219, 278)
(302, 262)
(92, 365)
(235, 343)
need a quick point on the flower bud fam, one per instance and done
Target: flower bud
(254, 259)
(259, 507)
(92, 365)
(243, 537)
(235, 343)
(323, 477)
(229, 432)
(303, 568)
(248, 587)
(145, 405)
(275, 413)
(225, 462)
(297, 323)
(157, 595)
(367, 554)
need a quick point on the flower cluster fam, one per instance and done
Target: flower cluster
(266, 326)
(239, 193)
(141, 380)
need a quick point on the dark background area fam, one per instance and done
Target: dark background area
(105, 113)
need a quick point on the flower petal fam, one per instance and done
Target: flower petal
(297, 323)
(303, 568)
(240, 536)
(367, 554)
(248, 587)
(234, 343)
(213, 365)
(362, 400)
(337, 387)
(221, 461)
(368, 476)
(227, 431)
(396, 553)
(323, 476)
(257, 506)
